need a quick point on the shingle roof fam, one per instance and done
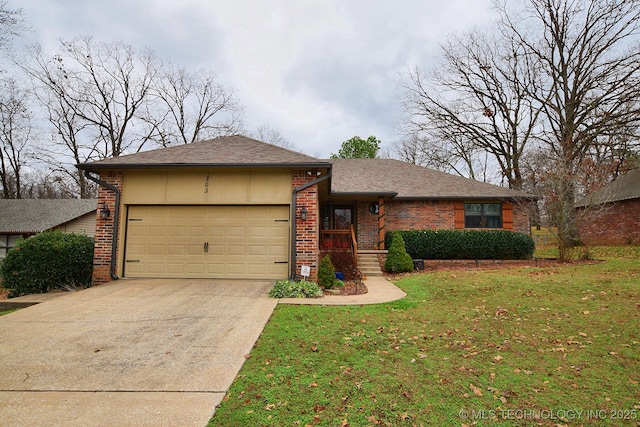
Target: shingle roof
(36, 215)
(226, 151)
(624, 188)
(388, 176)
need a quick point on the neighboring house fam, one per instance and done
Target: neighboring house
(21, 218)
(611, 215)
(234, 207)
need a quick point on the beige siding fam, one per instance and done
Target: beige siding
(207, 242)
(204, 187)
(85, 224)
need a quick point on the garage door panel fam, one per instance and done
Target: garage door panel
(175, 249)
(216, 250)
(256, 250)
(243, 241)
(236, 250)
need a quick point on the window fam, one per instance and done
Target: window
(7, 241)
(483, 215)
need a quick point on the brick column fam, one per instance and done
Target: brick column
(307, 245)
(104, 229)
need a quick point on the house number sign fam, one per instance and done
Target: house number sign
(206, 184)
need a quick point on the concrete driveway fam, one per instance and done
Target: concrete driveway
(130, 352)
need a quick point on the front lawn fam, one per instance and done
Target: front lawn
(527, 346)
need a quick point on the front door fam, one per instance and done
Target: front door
(342, 217)
(336, 226)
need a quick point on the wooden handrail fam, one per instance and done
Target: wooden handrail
(354, 246)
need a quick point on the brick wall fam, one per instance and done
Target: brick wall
(307, 232)
(418, 215)
(104, 229)
(613, 224)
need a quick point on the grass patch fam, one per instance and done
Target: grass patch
(491, 347)
(2, 313)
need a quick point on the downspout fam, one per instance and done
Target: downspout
(116, 217)
(296, 190)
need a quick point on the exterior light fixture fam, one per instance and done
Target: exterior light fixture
(105, 213)
(303, 213)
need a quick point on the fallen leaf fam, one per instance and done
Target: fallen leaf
(475, 390)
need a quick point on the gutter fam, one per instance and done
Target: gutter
(116, 217)
(296, 190)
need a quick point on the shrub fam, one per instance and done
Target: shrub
(326, 273)
(295, 289)
(466, 244)
(49, 260)
(398, 260)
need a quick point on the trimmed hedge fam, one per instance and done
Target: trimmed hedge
(465, 244)
(49, 260)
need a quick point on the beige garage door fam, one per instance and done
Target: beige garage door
(224, 242)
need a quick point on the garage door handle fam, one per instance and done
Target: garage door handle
(206, 247)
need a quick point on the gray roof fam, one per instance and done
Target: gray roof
(408, 181)
(624, 188)
(227, 151)
(380, 177)
(36, 215)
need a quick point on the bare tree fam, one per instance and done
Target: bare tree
(105, 99)
(560, 76)
(15, 133)
(272, 135)
(11, 23)
(191, 106)
(102, 85)
(589, 84)
(475, 103)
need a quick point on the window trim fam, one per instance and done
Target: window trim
(484, 221)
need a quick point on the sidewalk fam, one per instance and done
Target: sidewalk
(379, 290)
(29, 300)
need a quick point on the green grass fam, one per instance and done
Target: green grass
(2, 313)
(497, 347)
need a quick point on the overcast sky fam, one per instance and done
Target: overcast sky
(319, 71)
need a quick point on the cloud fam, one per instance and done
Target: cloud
(320, 71)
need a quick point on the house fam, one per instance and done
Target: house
(21, 218)
(235, 207)
(611, 215)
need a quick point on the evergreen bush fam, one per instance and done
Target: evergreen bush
(398, 260)
(326, 273)
(46, 261)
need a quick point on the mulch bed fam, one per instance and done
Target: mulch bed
(349, 288)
